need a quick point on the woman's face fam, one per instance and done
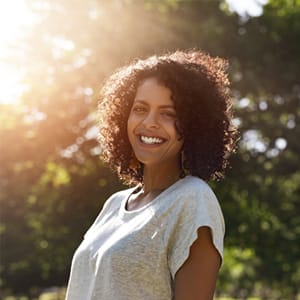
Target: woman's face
(151, 125)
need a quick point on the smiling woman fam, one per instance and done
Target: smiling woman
(165, 126)
(15, 17)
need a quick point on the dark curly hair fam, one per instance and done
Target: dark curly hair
(199, 90)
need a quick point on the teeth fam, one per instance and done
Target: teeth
(151, 140)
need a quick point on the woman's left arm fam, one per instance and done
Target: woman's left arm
(196, 278)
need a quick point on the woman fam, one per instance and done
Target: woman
(165, 127)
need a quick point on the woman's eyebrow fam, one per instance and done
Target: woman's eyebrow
(140, 101)
(160, 106)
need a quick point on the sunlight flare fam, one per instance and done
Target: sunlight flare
(15, 19)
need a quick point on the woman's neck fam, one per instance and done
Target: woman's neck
(158, 178)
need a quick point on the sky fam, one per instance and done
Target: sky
(247, 7)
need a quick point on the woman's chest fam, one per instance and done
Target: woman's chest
(130, 247)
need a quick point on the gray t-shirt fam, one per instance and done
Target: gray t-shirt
(134, 255)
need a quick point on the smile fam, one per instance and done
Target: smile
(151, 140)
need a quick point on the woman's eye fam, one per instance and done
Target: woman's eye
(139, 109)
(169, 114)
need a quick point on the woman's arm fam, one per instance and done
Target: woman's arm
(196, 279)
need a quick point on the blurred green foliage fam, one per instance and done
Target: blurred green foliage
(52, 183)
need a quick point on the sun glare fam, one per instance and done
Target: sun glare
(11, 85)
(15, 19)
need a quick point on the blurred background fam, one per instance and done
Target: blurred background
(55, 55)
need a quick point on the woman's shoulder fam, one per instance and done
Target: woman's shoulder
(110, 207)
(195, 199)
(194, 186)
(195, 194)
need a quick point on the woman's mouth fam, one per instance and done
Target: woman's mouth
(151, 140)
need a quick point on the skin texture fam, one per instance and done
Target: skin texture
(153, 115)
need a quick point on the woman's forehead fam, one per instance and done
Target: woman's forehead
(151, 90)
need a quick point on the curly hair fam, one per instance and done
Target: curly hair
(199, 90)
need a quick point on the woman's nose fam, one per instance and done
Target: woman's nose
(151, 120)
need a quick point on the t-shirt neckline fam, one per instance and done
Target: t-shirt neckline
(151, 203)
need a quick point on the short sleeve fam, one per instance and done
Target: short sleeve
(199, 207)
